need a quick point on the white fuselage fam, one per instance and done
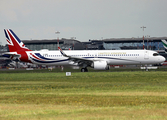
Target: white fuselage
(112, 57)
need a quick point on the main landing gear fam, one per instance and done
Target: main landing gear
(84, 70)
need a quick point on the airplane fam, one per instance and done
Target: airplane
(97, 59)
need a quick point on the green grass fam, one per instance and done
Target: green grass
(92, 95)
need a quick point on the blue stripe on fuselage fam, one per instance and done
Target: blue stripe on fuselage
(42, 57)
(49, 61)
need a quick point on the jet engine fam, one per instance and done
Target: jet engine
(100, 65)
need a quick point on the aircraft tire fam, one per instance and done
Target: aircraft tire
(84, 70)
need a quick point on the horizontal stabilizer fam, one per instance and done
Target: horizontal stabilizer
(13, 54)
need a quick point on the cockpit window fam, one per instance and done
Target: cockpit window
(155, 54)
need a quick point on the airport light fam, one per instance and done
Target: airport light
(143, 35)
(57, 38)
(148, 36)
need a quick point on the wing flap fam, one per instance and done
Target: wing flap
(76, 60)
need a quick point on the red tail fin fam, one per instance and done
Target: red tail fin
(14, 43)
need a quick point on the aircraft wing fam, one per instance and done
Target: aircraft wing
(77, 60)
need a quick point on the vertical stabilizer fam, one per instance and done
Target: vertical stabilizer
(164, 42)
(14, 43)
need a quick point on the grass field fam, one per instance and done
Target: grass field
(93, 95)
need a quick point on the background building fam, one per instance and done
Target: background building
(65, 44)
(153, 43)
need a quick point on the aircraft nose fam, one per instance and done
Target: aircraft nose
(163, 59)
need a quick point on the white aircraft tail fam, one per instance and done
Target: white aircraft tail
(164, 42)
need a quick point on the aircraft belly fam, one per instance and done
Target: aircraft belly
(123, 61)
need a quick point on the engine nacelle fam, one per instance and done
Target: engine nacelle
(100, 65)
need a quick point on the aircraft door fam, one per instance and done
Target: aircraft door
(96, 55)
(146, 55)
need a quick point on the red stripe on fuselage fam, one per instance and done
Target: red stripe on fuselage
(35, 56)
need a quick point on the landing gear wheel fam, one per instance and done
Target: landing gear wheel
(84, 70)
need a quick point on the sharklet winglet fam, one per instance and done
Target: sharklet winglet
(62, 52)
